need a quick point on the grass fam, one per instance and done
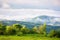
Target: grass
(27, 37)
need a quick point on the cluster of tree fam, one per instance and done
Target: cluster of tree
(54, 33)
(17, 29)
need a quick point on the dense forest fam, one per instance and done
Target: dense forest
(20, 30)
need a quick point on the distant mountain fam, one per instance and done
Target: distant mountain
(50, 20)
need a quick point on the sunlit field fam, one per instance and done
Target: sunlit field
(27, 37)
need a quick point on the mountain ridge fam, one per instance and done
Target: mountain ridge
(50, 20)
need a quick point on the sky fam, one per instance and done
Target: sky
(22, 9)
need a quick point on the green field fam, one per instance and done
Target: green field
(27, 37)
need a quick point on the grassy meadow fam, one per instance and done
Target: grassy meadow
(28, 37)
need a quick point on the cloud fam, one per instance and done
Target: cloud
(18, 14)
(7, 12)
(4, 4)
(56, 2)
(33, 4)
(0, 3)
(57, 19)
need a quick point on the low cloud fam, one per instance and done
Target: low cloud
(18, 14)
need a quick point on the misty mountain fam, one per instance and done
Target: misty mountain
(50, 20)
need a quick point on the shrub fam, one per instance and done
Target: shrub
(10, 30)
(52, 33)
(24, 30)
(58, 33)
(19, 34)
(42, 29)
(34, 30)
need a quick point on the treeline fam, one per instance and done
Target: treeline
(17, 29)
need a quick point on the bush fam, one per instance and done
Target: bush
(19, 34)
(24, 30)
(58, 33)
(17, 27)
(52, 33)
(2, 29)
(42, 29)
(10, 30)
(34, 30)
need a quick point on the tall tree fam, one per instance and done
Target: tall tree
(42, 29)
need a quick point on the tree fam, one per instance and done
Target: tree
(14, 29)
(52, 33)
(25, 30)
(42, 29)
(10, 30)
(17, 27)
(58, 33)
(2, 28)
(34, 30)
